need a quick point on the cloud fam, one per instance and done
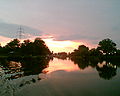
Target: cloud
(11, 30)
(86, 20)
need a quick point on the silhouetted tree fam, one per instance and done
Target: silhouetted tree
(15, 48)
(61, 55)
(26, 47)
(15, 43)
(82, 51)
(107, 46)
(39, 47)
(12, 47)
(1, 50)
(95, 52)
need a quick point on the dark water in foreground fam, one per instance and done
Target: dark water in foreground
(58, 78)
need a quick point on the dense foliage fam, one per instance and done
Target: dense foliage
(105, 47)
(29, 48)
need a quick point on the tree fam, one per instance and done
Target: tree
(26, 47)
(26, 42)
(95, 52)
(15, 43)
(107, 46)
(82, 51)
(12, 47)
(38, 47)
(1, 50)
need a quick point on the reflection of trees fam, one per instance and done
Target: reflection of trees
(107, 71)
(85, 62)
(61, 55)
(25, 67)
(93, 61)
(82, 63)
(10, 70)
(33, 66)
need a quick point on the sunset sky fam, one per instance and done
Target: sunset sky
(63, 24)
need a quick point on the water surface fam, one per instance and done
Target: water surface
(60, 78)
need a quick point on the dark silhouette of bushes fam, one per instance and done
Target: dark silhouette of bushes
(27, 48)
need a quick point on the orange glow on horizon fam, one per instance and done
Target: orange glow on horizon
(66, 45)
(53, 45)
(4, 40)
(62, 46)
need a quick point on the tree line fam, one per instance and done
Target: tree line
(26, 48)
(105, 47)
(38, 47)
(105, 58)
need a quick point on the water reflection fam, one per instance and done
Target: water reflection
(106, 69)
(60, 64)
(23, 67)
(25, 71)
(33, 66)
(76, 75)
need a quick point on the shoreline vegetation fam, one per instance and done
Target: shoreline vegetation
(38, 49)
(106, 50)
(27, 48)
(105, 58)
(30, 58)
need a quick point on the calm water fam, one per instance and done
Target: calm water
(59, 77)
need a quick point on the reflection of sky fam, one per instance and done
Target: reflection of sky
(64, 19)
(65, 65)
(66, 81)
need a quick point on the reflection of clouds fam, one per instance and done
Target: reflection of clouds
(58, 64)
(102, 64)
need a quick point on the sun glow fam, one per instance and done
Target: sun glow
(4, 40)
(53, 44)
(61, 46)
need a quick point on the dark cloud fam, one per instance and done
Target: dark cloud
(93, 37)
(77, 37)
(11, 30)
